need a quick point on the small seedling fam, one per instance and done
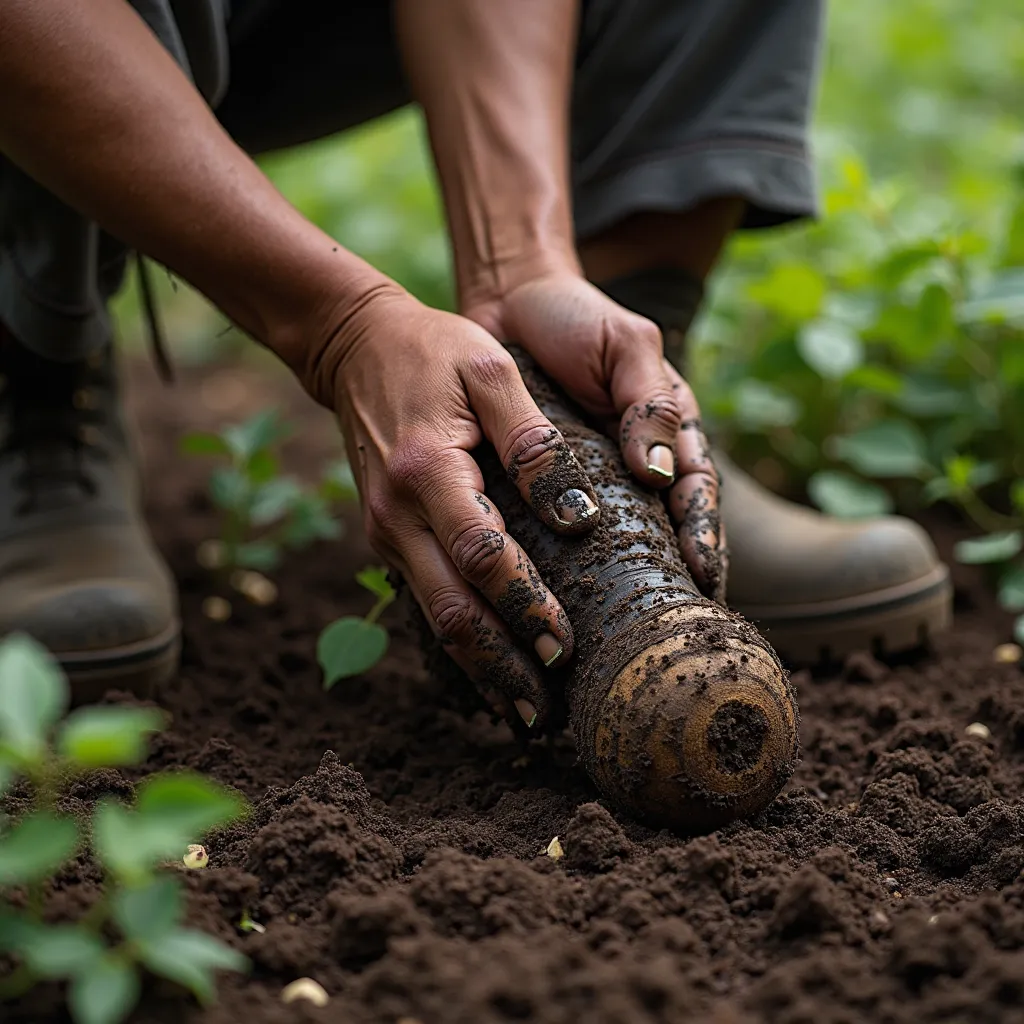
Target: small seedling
(263, 511)
(351, 646)
(135, 926)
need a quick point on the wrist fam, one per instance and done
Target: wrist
(483, 285)
(338, 320)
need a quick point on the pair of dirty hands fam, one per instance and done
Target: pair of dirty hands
(416, 390)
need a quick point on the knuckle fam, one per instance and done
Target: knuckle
(379, 514)
(532, 449)
(411, 465)
(478, 552)
(663, 409)
(455, 614)
(491, 368)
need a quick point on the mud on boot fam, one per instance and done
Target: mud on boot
(78, 570)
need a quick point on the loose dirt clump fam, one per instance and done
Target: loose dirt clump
(396, 853)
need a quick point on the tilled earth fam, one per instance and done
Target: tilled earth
(396, 848)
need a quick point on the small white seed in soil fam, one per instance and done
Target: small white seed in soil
(211, 554)
(217, 609)
(305, 988)
(554, 850)
(1007, 654)
(934, 919)
(195, 857)
(878, 919)
(254, 586)
(978, 731)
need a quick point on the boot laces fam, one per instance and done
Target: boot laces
(56, 418)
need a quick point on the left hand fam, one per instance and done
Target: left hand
(611, 362)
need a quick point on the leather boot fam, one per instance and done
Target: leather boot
(818, 587)
(78, 570)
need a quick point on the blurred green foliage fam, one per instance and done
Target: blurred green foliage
(872, 360)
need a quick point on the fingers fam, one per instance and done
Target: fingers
(535, 455)
(472, 633)
(480, 558)
(651, 400)
(693, 501)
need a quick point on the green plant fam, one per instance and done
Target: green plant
(352, 645)
(136, 923)
(262, 510)
(1001, 544)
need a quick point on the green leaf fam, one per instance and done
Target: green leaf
(925, 397)
(261, 555)
(146, 912)
(1018, 629)
(935, 312)
(173, 810)
(759, 404)
(348, 647)
(993, 547)
(263, 466)
(189, 800)
(33, 695)
(877, 379)
(255, 434)
(891, 448)
(59, 951)
(1017, 495)
(36, 847)
(204, 444)
(847, 497)
(105, 993)
(831, 349)
(310, 520)
(108, 737)
(375, 579)
(189, 957)
(795, 291)
(1011, 589)
(230, 489)
(273, 500)
(901, 263)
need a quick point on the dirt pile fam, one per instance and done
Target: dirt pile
(396, 848)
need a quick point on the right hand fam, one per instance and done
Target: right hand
(415, 391)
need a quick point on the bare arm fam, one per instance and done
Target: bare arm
(95, 109)
(495, 81)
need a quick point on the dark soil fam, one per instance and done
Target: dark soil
(395, 851)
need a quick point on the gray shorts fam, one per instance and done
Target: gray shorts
(674, 102)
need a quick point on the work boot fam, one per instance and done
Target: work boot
(78, 571)
(818, 587)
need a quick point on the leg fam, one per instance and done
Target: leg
(690, 121)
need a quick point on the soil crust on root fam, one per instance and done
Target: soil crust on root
(396, 850)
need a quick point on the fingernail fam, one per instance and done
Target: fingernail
(548, 649)
(660, 461)
(575, 506)
(527, 712)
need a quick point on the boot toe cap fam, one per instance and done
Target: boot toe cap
(94, 618)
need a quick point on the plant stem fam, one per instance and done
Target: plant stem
(984, 515)
(382, 603)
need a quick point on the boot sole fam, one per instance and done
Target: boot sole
(138, 668)
(884, 622)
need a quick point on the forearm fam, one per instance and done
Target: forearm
(494, 80)
(97, 111)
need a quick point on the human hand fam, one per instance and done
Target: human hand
(610, 361)
(415, 391)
